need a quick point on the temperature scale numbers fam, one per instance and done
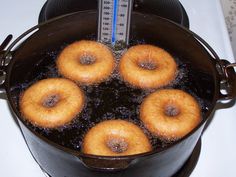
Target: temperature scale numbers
(105, 20)
(114, 20)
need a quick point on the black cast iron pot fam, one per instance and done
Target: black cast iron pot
(211, 76)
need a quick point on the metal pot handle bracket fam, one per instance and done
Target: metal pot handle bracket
(3, 56)
(228, 80)
(226, 73)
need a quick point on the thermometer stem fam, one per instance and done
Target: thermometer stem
(115, 9)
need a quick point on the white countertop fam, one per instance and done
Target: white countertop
(229, 9)
(217, 158)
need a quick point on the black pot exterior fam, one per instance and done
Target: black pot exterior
(59, 161)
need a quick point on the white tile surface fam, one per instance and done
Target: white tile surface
(218, 155)
(229, 9)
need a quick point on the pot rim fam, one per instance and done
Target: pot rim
(127, 157)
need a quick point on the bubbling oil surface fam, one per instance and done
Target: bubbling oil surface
(111, 99)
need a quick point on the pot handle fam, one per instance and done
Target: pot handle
(3, 61)
(225, 70)
(227, 79)
(2, 78)
(107, 164)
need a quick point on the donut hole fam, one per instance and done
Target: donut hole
(171, 110)
(51, 100)
(147, 65)
(87, 59)
(117, 145)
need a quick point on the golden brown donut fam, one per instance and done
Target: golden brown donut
(147, 66)
(51, 102)
(86, 62)
(115, 138)
(170, 114)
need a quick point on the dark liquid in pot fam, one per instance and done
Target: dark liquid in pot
(113, 99)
